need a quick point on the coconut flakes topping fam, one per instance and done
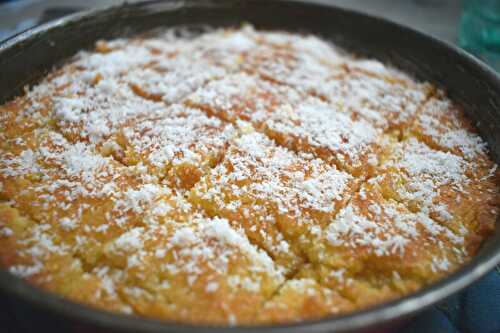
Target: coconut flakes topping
(260, 121)
(428, 171)
(183, 135)
(278, 179)
(323, 126)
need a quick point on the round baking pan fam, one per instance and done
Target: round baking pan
(25, 58)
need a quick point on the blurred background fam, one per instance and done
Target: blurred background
(473, 24)
(437, 17)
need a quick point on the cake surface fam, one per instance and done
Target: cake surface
(238, 177)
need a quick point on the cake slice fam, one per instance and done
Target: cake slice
(444, 186)
(272, 193)
(178, 147)
(198, 270)
(315, 127)
(72, 191)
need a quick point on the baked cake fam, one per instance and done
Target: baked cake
(238, 177)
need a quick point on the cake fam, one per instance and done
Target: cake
(238, 177)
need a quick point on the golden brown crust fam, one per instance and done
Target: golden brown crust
(238, 177)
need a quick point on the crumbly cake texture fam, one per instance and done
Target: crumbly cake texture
(238, 177)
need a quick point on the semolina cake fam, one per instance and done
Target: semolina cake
(238, 177)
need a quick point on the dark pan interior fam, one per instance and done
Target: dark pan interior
(26, 57)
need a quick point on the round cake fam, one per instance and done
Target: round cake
(238, 177)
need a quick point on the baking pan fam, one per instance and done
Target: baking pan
(26, 57)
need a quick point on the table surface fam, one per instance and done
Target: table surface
(436, 17)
